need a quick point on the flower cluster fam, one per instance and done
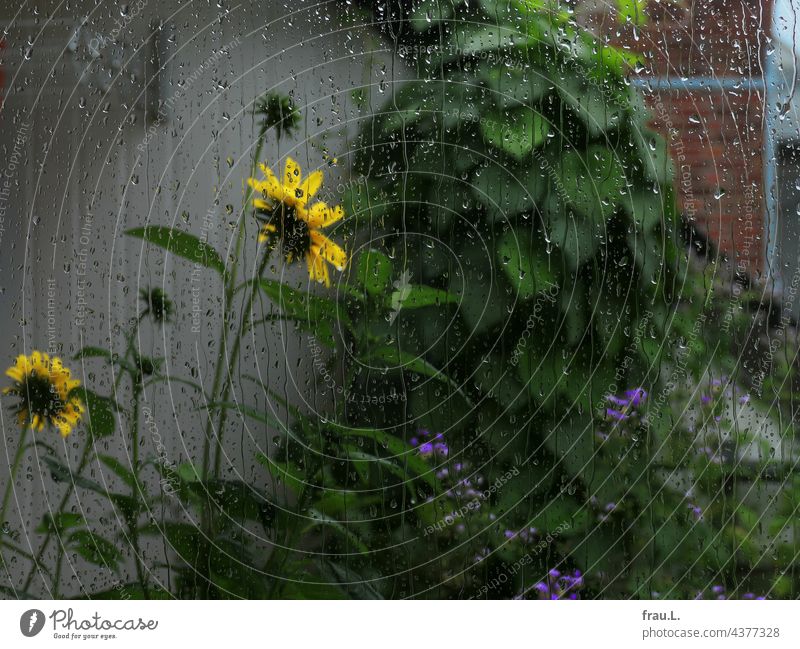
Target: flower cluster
(718, 592)
(431, 446)
(462, 489)
(560, 586)
(625, 407)
(525, 535)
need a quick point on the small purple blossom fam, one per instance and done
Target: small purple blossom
(718, 591)
(624, 407)
(560, 586)
(696, 511)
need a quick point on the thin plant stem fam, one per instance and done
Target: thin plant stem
(230, 290)
(84, 459)
(16, 463)
(237, 342)
(14, 469)
(133, 522)
(281, 556)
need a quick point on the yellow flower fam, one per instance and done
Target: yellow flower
(284, 208)
(45, 390)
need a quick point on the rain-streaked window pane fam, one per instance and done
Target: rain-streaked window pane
(426, 299)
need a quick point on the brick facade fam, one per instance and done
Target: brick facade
(704, 81)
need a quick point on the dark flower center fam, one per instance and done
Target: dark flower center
(292, 230)
(39, 396)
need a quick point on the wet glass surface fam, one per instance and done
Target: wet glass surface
(436, 299)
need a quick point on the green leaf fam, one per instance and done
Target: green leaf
(632, 11)
(351, 582)
(595, 102)
(120, 469)
(100, 419)
(471, 41)
(99, 352)
(367, 461)
(513, 88)
(62, 473)
(285, 472)
(516, 132)
(301, 590)
(374, 272)
(248, 411)
(577, 239)
(592, 181)
(335, 503)
(527, 271)
(417, 297)
(60, 522)
(509, 190)
(318, 519)
(401, 360)
(131, 591)
(182, 244)
(410, 459)
(237, 500)
(317, 315)
(185, 539)
(95, 549)
(426, 13)
(653, 150)
(646, 208)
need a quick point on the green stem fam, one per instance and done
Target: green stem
(237, 342)
(57, 577)
(133, 521)
(85, 454)
(230, 290)
(14, 469)
(281, 556)
(12, 479)
(43, 548)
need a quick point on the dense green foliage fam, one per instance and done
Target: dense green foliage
(519, 373)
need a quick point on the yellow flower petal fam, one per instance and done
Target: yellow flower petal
(269, 187)
(291, 174)
(262, 205)
(317, 270)
(321, 216)
(311, 184)
(328, 250)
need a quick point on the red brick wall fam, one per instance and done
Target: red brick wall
(716, 128)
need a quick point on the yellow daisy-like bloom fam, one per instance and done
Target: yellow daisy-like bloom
(45, 390)
(287, 216)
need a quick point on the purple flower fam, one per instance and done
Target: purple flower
(697, 511)
(623, 407)
(636, 397)
(560, 586)
(718, 592)
(428, 448)
(616, 414)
